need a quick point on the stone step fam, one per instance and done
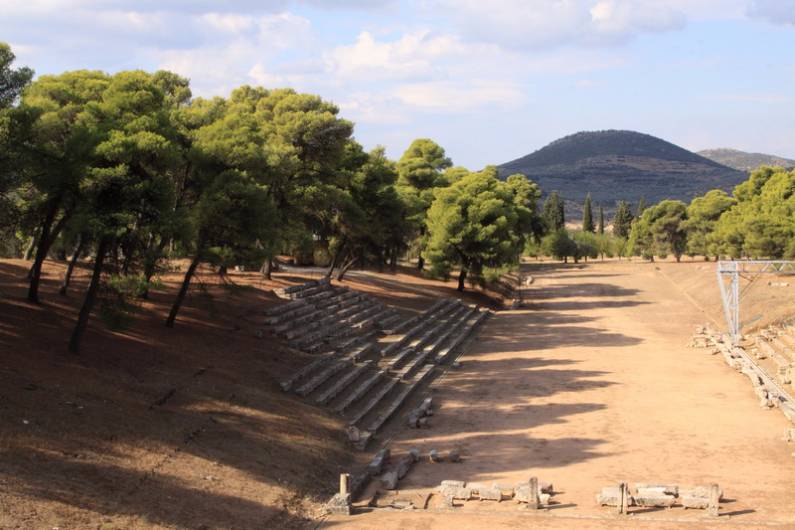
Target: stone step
(440, 327)
(342, 383)
(413, 320)
(316, 293)
(302, 309)
(782, 348)
(371, 321)
(357, 353)
(414, 363)
(352, 310)
(321, 378)
(345, 343)
(293, 290)
(343, 300)
(435, 346)
(382, 391)
(389, 323)
(282, 308)
(447, 353)
(287, 384)
(400, 398)
(359, 391)
(392, 347)
(400, 358)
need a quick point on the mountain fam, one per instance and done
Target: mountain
(745, 161)
(628, 165)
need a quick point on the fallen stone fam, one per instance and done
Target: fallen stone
(507, 491)
(546, 487)
(389, 480)
(434, 456)
(403, 466)
(699, 503)
(657, 489)
(402, 505)
(490, 494)
(654, 500)
(454, 455)
(415, 454)
(522, 495)
(376, 465)
(453, 484)
(611, 496)
(700, 492)
(422, 423)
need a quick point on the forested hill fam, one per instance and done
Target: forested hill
(627, 165)
(745, 161)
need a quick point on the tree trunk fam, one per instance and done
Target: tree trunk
(393, 259)
(267, 267)
(46, 236)
(67, 277)
(32, 245)
(172, 316)
(350, 263)
(91, 296)
(150, 264)
(462, 276)
(420, 263)
(336, 259)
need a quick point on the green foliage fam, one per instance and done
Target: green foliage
(587, 215)
(622, 222)
(586, 245)
(559, 245)
(702, 217)
(660, 231)
(12, 81)
(553, 215)
(120, 300)
(474, 224)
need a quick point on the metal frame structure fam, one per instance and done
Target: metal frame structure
(730, 293)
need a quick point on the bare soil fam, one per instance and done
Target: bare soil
(592, 384)
(150, 427)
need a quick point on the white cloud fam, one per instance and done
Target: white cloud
(412, 55)
(776, 11)
(539, 25)
(450, 96)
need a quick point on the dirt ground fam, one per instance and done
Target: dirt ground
(150, 427)
(592, 384)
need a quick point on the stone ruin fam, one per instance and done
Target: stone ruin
(647, 495)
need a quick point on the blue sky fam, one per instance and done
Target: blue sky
(490, 81)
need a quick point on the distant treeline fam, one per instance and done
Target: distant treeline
(131, 171)
(756, 221)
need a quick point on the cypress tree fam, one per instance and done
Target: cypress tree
(587, 215)
(553, 212)
(601, 228)
(622, 222)
(641, 207)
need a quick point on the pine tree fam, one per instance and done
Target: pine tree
(587, 215)
(601, 228)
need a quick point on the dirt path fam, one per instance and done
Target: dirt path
(590, 385)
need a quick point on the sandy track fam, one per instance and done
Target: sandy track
(590, 385)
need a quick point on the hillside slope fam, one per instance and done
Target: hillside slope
(614, 165)
(745, 161)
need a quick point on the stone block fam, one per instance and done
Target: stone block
(611, 496)
(490, 494)
(454, 455)
(434, 456)
(657, 489)
(415, 454)
(403, 466)
(652, 499)
(339, 505)
(389, 480)
(453, 484)
(376, 465)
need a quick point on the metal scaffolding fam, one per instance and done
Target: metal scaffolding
(729, 274)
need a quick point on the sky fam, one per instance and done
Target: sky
(490, 81)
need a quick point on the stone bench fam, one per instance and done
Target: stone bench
(400, 358)
(425, 314)
(287, 384)
(359, 391)
(447, 353)
(282, 308)
(370, 405)
(287, 316)
(398, 401)
(452, 331)
(342, 383)
(308, 387)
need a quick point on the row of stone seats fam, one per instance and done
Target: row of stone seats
(303, 290)
(370, 390)
(321, 314)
